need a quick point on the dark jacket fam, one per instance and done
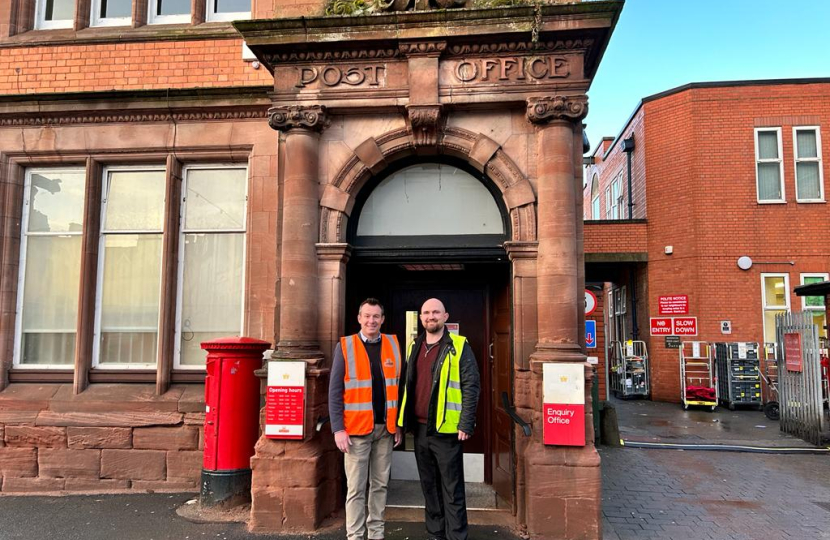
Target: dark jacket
(470, 386)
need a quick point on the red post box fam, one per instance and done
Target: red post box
(232, 403)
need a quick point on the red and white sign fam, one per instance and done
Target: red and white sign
(792, 351)
(677, 304)
(685, 326)
(564, 404)
(285, 400)
(661, 326)
(673, 326)
(590, 302)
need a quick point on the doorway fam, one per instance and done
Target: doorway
(477, 299)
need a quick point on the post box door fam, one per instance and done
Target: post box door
(212, 387)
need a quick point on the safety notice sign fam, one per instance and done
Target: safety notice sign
(285, 400)
(564, 404)
(676, 304)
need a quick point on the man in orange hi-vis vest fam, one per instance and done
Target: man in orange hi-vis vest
(363, 407)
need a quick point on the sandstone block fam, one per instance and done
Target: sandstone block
(108, 419)
(177, 486)
(133, 464)
(115, 398)
(194, 419)
(266, 510)
(166, 438)
(2, 435)
(186, 464)
(96, 485)
(15, 462)
(97, 437)
(52, 437)
(302, 507)
(29, 485)
(63, 463)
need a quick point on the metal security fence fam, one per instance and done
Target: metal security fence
(799, 377)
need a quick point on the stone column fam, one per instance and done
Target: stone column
(295, 484)
(562, 484)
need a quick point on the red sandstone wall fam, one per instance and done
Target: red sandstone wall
(111, 437)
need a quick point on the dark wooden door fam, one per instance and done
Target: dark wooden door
(501, 381)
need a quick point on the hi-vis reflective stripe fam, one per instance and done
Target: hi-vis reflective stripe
(357, 406)
(392, 382)
(352, 384)
(391, 404)
(397, 354)
(453, 406)
(454, 384)
(350, 356)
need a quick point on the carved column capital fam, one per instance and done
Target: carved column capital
(286, 118)
(424, 122)
(546, 109)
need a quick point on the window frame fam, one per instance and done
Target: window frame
(616, 190)
(817, 159)
(95, 363)
(764, 308)
(40, 22)
(779, 160)
(596, 203)
(17, 352)
(608, 202)
(96, 21)
(824, 277)
(212, 16)
(152, 18)
(182, 231)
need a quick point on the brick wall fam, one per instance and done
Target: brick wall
(615, 237)
(111, 437)
(127, 66)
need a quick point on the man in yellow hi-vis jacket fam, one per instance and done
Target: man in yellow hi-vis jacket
(439, 388)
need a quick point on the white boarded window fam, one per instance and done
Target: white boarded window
(809, 177)
(430, 200)
(769, 167)
(211, 259)
(129, 268)
(50, 265)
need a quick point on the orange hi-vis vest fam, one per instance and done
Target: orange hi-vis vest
(358, 416)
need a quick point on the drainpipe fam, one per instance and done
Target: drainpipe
(628, 148)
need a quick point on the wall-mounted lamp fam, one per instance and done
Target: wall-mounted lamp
(745, 262)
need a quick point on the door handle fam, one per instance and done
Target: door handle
(490, 352)
(511, 412)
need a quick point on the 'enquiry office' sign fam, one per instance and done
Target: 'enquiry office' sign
(564, 404)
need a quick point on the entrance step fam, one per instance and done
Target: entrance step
(405, 502)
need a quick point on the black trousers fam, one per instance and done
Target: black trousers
(441, 468)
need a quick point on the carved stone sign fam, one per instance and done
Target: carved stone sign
(346, 75)
(511, 68)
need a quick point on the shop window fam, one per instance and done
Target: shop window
(595, 204)
(815, 304)
(129, 269)
(52, 14)
(50, 265)
(809, 177)
(775, 299)
(133, 324)
(211, 259)
(111, 12)
(769, 168)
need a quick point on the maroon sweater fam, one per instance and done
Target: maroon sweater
(423, 379)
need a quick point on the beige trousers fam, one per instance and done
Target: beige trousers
(369, 459)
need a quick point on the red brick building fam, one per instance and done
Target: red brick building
(162, 185)
(718, 171)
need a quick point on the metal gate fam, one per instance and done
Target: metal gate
(800, 392)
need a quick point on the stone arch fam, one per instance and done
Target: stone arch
(374, 155)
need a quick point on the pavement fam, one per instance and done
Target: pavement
(711, 495)
(647, 493)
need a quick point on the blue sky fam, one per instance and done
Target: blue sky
(661, 44)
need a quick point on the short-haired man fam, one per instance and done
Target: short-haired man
(440, 387)
(363, 407)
